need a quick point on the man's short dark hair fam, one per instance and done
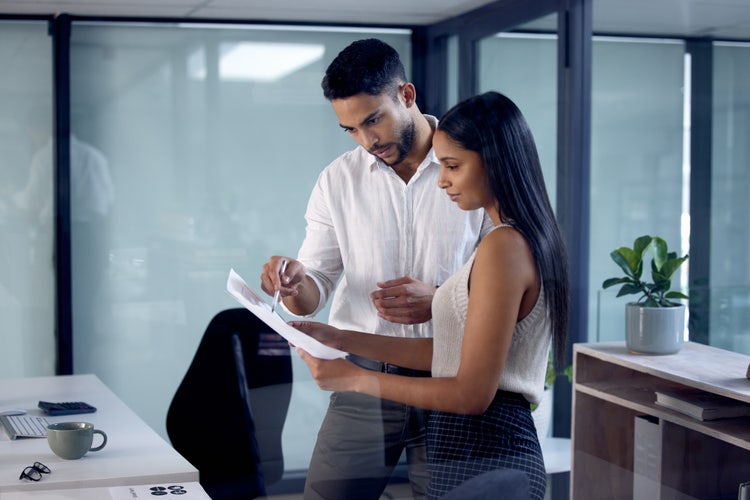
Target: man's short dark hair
(368, 66)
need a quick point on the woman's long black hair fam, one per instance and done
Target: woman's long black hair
(492, 125)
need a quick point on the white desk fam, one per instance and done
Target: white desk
(188, 491)
(134, 455)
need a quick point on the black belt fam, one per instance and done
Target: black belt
(378, 366)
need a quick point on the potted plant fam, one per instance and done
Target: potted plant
(654, 324)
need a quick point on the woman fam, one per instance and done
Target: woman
(494, 319)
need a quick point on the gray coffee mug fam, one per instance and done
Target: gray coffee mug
(72, 440)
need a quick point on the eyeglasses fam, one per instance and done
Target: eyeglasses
(34, 472)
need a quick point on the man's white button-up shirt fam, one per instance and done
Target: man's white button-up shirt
(365, 225)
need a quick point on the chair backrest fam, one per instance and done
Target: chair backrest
(227, 414)
(508, 484)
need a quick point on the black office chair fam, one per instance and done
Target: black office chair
(508, 484)
(228, 412)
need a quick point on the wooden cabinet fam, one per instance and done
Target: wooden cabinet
(697, 459)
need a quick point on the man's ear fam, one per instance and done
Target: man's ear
(408, 94)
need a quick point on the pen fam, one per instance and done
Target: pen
(276, 293)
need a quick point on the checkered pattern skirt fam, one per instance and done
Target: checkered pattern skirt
(460, 447)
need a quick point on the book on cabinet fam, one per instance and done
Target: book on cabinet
(700, 404)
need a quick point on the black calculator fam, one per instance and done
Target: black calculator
(66, 408)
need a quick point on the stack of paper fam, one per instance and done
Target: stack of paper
(237, 287)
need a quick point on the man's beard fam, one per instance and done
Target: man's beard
(405, 143)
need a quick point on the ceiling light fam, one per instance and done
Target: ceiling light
(257, 61)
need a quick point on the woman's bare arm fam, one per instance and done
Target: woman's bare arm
(503, 281)
(415, 353)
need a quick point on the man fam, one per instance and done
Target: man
(377, 217)
(91, 202)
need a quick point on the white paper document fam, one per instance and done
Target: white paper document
(186, 491)
(237, 287)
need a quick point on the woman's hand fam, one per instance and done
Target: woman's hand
(323, 333)
(331, 375)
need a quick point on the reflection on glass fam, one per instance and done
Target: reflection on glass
(212, 164)
(27, 280)
(256, 61)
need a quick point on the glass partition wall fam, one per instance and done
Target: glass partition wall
(193, 150)
(638, 183)
(183, 149)
(27, 270)
(531, 84)
(644, 170)
(212, 138)
(729, 231)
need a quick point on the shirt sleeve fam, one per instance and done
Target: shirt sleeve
(36, 197)
(320, 251)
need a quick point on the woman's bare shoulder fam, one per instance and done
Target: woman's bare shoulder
(504, 238)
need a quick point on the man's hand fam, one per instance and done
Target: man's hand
(270, 280)
(297, 290)
(404, 300)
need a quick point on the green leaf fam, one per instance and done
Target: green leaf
(615, 281)
(671, 265)
(626, 259)
(628, 289)
(651, 302)
(568, 372)
(639, 270)
(659, 275)
(659, 247)
(641, 244)
(661, 286)
(663, 266)
(550, 378)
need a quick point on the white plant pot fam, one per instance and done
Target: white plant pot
(654, 330)
(542, 415)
